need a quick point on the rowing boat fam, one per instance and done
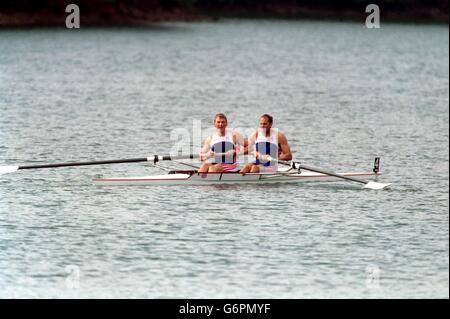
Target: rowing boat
(296, 172)
(289, 174)
(195, 178)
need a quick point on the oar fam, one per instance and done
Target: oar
(368, 184)
(155, 158)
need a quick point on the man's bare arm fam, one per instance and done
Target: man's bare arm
(240, 140)
(205, 149)
(286, 154)
(250, 142)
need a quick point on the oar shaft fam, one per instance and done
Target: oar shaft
(130, 160)
(317, 170)
(309, 168)
(171, 158)
(154, 158)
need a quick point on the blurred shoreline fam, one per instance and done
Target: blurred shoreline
(134, 13)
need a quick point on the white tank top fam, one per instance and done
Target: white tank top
(272, 138)
(228, 137)
(222, 144)
(267, 145)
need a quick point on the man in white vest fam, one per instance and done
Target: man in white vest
(220, 150)
(267, 142)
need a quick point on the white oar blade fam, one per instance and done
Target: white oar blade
(376, 185)
(8, 169)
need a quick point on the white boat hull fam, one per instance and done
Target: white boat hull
(226, 178)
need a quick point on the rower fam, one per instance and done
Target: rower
(220, 150)
(267, 142)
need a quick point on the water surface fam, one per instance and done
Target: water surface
(342, 94)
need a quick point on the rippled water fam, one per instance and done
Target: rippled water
(342, 93)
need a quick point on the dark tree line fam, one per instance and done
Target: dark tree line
(415, 9)
(31, 5)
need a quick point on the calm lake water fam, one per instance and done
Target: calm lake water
(342, 94)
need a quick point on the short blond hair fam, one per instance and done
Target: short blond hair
(220, 116)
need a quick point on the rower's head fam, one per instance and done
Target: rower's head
(265, 121)
(220, 121)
